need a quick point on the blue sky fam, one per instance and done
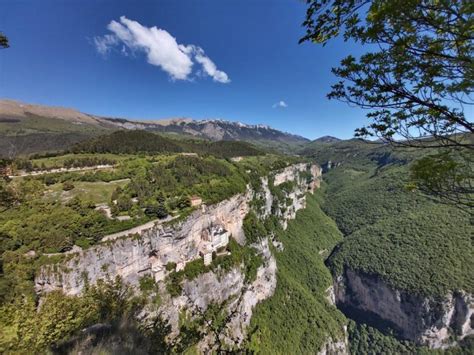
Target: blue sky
(141, 73)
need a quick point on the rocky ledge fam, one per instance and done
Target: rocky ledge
(149, 252)
(430, 321)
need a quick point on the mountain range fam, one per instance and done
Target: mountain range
(27, 128)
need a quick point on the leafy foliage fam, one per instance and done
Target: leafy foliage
(135, 141)
(4, 41)
(448, 175)
(298, 317)
(417, 83)
(421, 75)
(253, 228)
(411, 242)
(60, 316)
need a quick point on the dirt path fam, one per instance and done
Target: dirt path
(61, 170)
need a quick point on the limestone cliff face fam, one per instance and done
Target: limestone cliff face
(428, 321)
(147, 254)
(132, 257)
(230, 289)
(335, 347)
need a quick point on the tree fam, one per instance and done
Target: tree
(159, 211)
(68, 186)
(253, 228)
(418, 80)
(7, 197)
(4, 41)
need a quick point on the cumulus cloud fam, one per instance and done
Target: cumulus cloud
(280, 104)
(161, 49)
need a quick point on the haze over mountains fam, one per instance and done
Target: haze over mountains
(27, 128)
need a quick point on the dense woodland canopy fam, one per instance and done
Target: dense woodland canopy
(134, 142)
(413, 242)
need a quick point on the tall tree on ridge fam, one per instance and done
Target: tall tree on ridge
(417, 80)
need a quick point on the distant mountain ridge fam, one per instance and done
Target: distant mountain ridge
(28, 128)
(212, 129)
(327, 139)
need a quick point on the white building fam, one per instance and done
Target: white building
(213, 239)
(207, 256)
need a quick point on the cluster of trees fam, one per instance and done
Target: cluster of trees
(27, 329)
(254, 230)
(367, 340)
(128, 142)
(134, 142)
(29, 165)
(166, 185)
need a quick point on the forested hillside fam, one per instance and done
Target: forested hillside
(299, 317)
(134, 142)
(412, 242)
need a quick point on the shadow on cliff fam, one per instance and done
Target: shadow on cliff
(122, 337)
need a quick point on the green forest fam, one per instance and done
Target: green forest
(411, 241)
(298, 318)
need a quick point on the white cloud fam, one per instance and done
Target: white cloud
(280, 104)
(105, 43)
(209, 67)
(160, 47)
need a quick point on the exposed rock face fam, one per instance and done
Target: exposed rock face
(241, 298)
(426, 321)
(335, 347)
(134, 257)
(289, 174)
(148, 252)
(268, 198)
(262, 288)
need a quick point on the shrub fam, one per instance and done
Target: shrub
(147, 283)
(171, 266)
(253, 228)
(68, 186)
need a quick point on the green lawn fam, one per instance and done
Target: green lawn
(97, 192)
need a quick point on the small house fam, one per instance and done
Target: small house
(195, 201)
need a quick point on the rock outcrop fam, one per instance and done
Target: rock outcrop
(148, 252)
(230, 290)
(335, 347)
(135, 256)
(424, 320)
